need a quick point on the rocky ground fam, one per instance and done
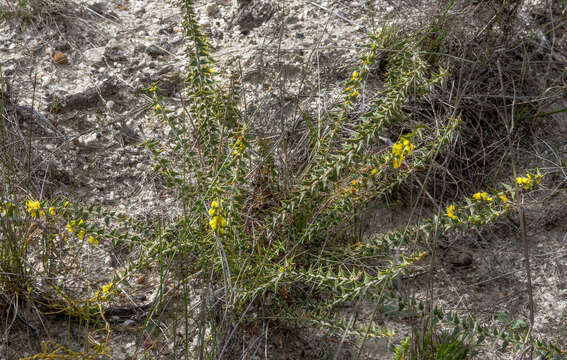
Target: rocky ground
(78, 73)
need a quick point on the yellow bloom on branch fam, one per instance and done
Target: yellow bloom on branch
(238, 148)
(72, 224)
(451, 212)
(108, 287)
(218, 221)
(482, 196)
(528, 181)
(93, 240)
(354, 76)
(401, 149)
(34, 208)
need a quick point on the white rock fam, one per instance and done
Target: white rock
(94, 56)
(113, 44)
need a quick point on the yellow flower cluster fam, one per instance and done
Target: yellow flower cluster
(34, 208)
(482, 196)
(528, 181)
(479, 196)
(153, 88)
(401, 149)
(354, 82)
(217, 221)
(106, 290)
(72, 225)
(355, 76)
(108, 287)
(238, 148)
(451, 212)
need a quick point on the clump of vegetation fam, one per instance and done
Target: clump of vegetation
(258, 234)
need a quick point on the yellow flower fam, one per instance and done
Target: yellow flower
(408, 146)
(158, 107)
(212, 71)
(528, 181)
(482, 196)
(214, 223)
(66, 204)
(218, 223)
(451, 212)
(355, 94)
(153, 88)
(106, 288)
(71, 226)
(52, 211)
(398, 149)
(93, 240)
(503, 198)
(374, 171)
(81, 234)
(238, 148)
(354, 75)
(33, 207)
(401, 149)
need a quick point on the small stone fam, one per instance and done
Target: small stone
(212, 9)
(204, 25)
(113, 44)
(60, 58)
(155, 51)
(128, 323)
(94, 56)
(141, 279)
(139, 11)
